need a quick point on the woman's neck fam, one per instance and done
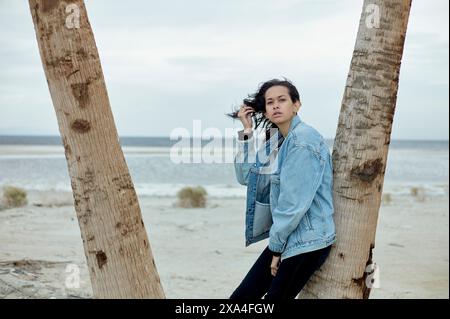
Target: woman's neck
(284, 127)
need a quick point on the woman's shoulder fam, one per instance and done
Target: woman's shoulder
(306, 135)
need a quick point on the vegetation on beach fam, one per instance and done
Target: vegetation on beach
(418, 193)
(386, 198)
(13, 197)
(189, 197)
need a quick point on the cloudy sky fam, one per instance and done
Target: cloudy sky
(167, 63)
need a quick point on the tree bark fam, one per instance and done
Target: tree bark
(360, 150)
(115, 241)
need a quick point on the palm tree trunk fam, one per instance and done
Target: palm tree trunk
(115, 241)
(361, 149)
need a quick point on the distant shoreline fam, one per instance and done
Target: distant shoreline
(165, 141)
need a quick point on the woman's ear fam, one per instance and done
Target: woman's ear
(297, 106)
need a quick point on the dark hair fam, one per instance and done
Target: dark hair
(258, 102)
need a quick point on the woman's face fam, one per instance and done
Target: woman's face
(279, 106)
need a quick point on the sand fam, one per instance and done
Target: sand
(200, 253)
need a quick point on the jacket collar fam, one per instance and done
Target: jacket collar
(294, 122)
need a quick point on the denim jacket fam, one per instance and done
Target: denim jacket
(289, 190)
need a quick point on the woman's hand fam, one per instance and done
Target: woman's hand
(274, 265)
(245, 115)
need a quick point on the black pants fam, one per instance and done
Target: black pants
(292, 275)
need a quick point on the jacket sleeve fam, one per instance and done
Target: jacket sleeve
(300, 177)
(245, 157)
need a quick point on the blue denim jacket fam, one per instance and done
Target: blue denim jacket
(289, 190)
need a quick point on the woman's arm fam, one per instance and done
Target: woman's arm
(246, 156)
(300, 177)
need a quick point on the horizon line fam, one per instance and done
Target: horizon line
(168, 137)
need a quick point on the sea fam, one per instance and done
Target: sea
(38, 163)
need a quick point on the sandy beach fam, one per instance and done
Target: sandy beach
(200, 252)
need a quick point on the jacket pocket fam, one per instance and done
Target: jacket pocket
(308, 221)
(274, 190)
(305, 232)
(262, 220)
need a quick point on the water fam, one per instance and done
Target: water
(423, 164)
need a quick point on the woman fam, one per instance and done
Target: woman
(289, 193)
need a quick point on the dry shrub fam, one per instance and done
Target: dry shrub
(192, 197)
(386, 198)
(14, 197)
(418, 193)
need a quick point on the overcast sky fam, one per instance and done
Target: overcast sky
(167, 63)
